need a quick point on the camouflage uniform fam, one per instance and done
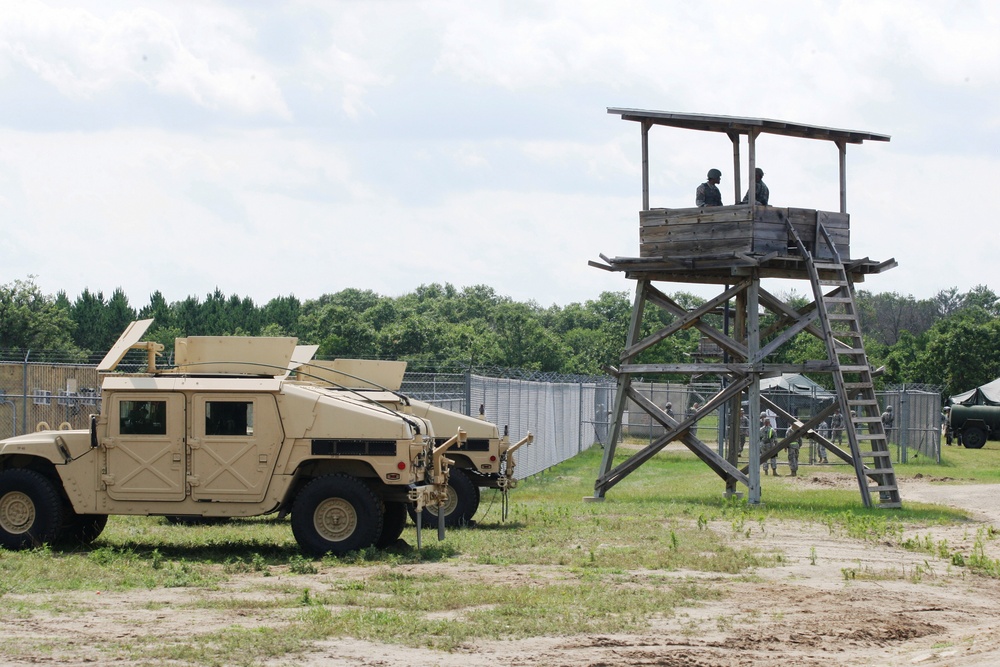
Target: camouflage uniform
(887, 421)
(768, 436)
(707, 194)
(793, 451)
(837, 424)
(762, 194)
(744, 432)
(820, 449)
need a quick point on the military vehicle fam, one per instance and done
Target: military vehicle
(485, 459)
(225, 433)
(973, 425)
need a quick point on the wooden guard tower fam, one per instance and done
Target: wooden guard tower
(735, 247)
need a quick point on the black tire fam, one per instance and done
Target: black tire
(973, 437)
(31, 511)
(393, 523)
(81, 529)
(336, 514)
(462, 505)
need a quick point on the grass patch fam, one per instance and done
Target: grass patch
(558, 565)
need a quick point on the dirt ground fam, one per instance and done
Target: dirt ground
(833, 600)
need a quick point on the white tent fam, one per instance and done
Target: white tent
(793, 383)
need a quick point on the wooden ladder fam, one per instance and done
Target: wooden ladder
(852, 376)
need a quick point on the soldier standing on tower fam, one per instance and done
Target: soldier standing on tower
(707, 193)
(762, 193)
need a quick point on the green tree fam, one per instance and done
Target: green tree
(964, 354)
(158, 310)
(118, 315)
(283, 311)
(31, 320)
(89, 314)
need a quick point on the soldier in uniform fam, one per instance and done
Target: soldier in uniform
(824, 431)
(744, 430)
(946, 420)
(887, 420)
(768, 436)
(762, 192)
(837, 424)
(793, 451)
(707, 193)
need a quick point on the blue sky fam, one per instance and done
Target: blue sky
(305, 147)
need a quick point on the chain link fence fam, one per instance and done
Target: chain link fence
(60, 395)
(566, 413)
(914, 433)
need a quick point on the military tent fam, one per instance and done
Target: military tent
(987, 394)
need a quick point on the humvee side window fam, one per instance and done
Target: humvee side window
(229, 418)
(142, 418)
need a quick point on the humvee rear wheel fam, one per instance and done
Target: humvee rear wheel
(462, 503)
(336, 514)
(974, 437)
(31, 511)
(392, 524)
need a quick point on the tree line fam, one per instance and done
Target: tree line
(948, 340)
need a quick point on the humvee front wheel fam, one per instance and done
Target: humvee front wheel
(336, 514)
(31, 511)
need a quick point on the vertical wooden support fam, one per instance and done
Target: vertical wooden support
(736, 405)
(645, 164)
(753, 348)
(752, 175)
(735, 138)
(623, 384)
(842, 147)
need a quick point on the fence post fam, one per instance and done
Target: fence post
(24, 394)
(468, 392)
(903, 431)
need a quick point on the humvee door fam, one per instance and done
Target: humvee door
(144, 449)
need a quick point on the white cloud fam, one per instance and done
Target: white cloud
(84, 55)
(525, 178)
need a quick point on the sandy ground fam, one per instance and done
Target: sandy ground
(833, 600)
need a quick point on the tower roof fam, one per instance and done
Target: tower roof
(740, 125)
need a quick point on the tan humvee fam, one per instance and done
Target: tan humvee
(485, 459)
(224, 434)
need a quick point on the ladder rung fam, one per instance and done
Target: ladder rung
(855, 369)
(837, 299)
(874, 455)
(878, 471)
(828, 266)
(857, 385)
(863, 401)
(884, 487)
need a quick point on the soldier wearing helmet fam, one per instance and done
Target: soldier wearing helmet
(768, 436)
(762, 193)
(707, 193)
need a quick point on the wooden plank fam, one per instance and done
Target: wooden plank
(685, 232)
